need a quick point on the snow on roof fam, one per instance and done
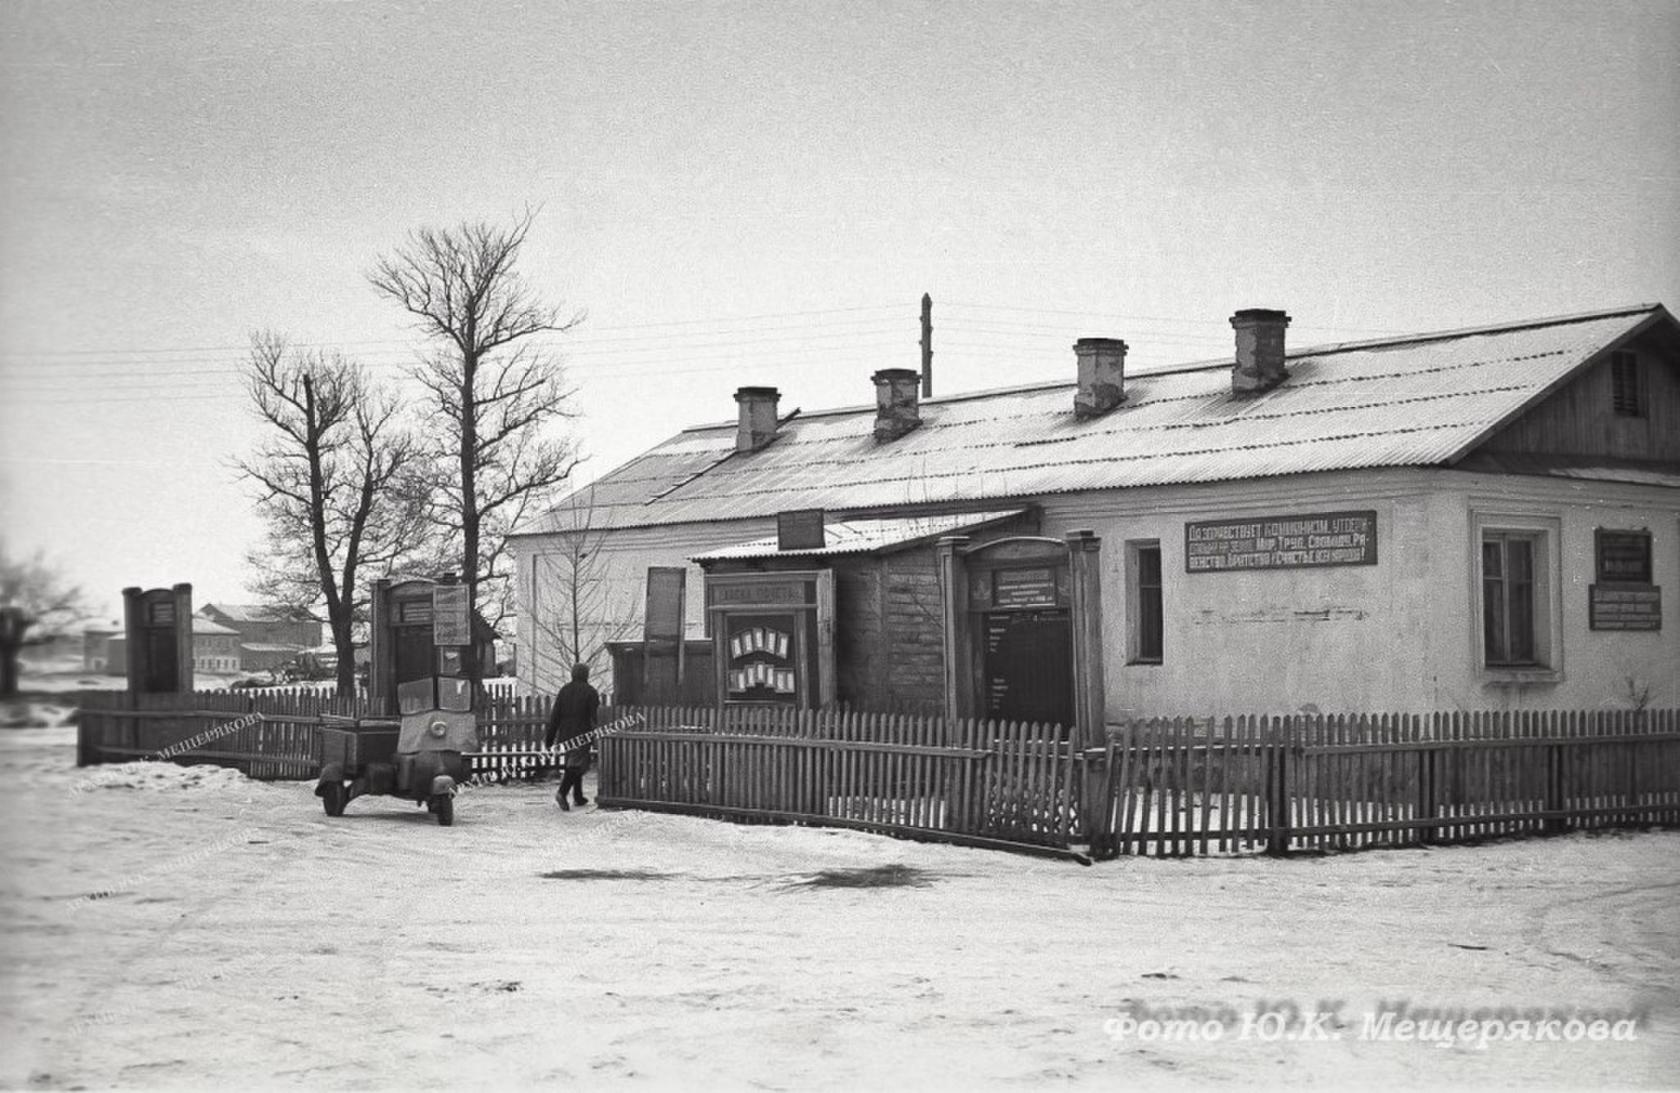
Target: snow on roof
(1417, 401)
(202, 625)
(865, 536)
(254, 612)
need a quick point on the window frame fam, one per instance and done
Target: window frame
(1546, 535)
(1136, 591)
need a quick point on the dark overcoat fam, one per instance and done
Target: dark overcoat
(573, 715)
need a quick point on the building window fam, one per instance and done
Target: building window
(1627, 398)
(1517, 591)
(1146, 621)
(1508, 614)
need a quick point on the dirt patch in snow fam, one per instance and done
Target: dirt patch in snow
(873, 876)
(606, 874)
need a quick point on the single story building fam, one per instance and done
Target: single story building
(1471, 519)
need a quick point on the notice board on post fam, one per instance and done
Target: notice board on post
(451, 615)
(663, 665)
(667, 585)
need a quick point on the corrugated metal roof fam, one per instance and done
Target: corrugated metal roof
(864, 536)
(1585, 468)
(1417, 401)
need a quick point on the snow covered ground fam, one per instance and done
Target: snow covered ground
(167, 927)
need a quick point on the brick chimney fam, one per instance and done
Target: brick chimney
(1259, 364)
(758, 417)
(897, 410)
(1102, 375)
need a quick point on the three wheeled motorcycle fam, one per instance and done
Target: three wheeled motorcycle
(420, 757)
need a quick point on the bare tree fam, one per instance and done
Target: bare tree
(583, 608)
(494, 384)
(33, 596)
(330, 478)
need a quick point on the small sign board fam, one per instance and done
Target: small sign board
(451, 623)
(1034, 587)
(1306, 541)
(801, 529)
(667, 586)
(1624, 607)
(1623, 556)
(760, 591)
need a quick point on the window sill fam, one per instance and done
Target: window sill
(1533, 674)
(1143, 663)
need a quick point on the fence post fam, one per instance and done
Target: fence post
(1277, 754)
(1428, 804)
(1554, 787)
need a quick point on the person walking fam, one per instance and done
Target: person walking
(573, 715)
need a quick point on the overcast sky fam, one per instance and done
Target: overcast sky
(760, 193)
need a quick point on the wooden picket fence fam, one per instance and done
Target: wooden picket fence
(115, 727)
(983, 783)
(1161, 787)
(1325, 782)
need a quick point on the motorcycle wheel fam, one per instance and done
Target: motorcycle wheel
(334, 796)
(444, 805)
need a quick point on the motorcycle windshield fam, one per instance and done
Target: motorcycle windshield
(455, 694)
(415, 696)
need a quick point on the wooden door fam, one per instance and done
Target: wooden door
(1029, 666)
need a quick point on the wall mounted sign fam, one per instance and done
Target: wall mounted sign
(801, 529)
(1623, 556)
(1624, 607)
(1306, 541)
(414, 612)
(1018, 586)
(450, 625)
(719, 594)
(1031, 587)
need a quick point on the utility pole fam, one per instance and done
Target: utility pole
(927, 346)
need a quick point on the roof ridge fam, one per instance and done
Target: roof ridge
(1321, 350)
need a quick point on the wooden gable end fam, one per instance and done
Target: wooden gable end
(1589, 415)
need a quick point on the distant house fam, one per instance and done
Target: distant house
(96, 649)
(215, 647)
(268, 636)
(266, 625)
